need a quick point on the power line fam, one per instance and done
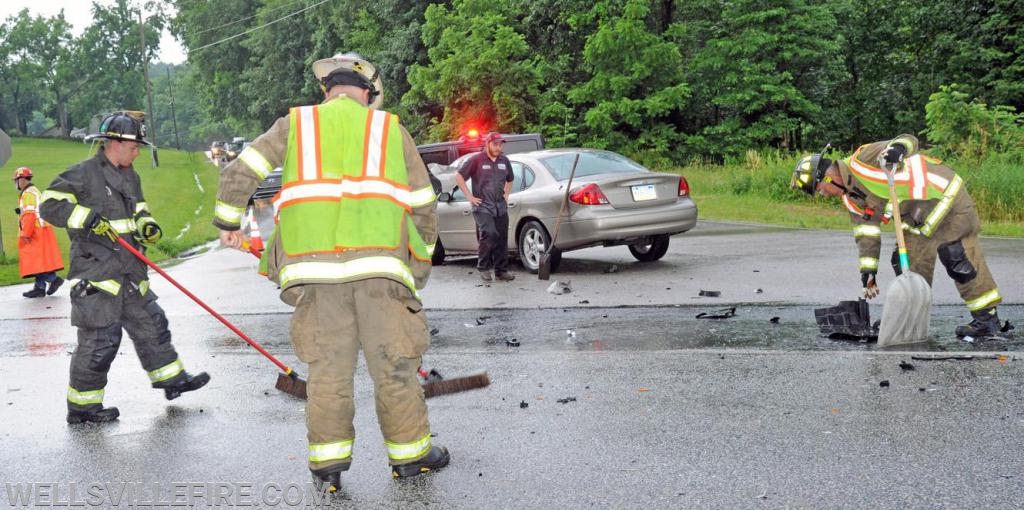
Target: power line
(278, 8)
(203, 47)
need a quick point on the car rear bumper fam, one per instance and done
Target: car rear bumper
(602, 224)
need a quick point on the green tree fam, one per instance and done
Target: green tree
(758, 77)
(481, 73)
(635, 90)
(23, 67)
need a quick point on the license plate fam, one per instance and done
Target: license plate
(644, 192)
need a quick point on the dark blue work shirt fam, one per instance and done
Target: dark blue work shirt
(488, 180)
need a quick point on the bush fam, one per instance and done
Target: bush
(972, 131)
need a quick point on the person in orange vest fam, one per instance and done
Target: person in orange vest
(38, 253)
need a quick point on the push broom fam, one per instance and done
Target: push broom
(434, 384)
(288, 382)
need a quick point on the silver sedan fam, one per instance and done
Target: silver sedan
(612, 201)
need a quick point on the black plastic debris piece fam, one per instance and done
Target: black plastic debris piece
(434, 331)
(884, 384)
(709, 293)
(566, 400)
(759, 291)
(849, 320)
(724, 313)
(585, 302)
(906, 366)
(481, 320)
(523, 405)
(774, 320)
(1007, 327)
(512, 342)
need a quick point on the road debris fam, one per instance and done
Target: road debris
(849, 320)
(512, 342)
(566, 400)
(558, 287)
(906, 366)
(523, 405)
(724, 313)
(709, 293)
(1002, 358)
(774, 320)
(759, 291)
(611, 269)
(884, 384)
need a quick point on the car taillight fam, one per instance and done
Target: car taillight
(684, 187)
(588, 195)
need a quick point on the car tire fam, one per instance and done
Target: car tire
(649, 252)
(533, 240)
(437, 258)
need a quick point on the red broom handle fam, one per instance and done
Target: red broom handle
(224, 321)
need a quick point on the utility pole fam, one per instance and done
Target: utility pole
(149, 91)
(174, 119)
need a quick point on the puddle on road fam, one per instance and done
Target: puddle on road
(554, 329)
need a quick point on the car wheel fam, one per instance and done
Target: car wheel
(437, 258)
(533, 242)
(652, 251)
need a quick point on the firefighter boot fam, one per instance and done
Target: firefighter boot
(985, 324)
(175, 387)
(436, 458)
(54, 285)
(329, 476)
(103, 414)
(34, 293)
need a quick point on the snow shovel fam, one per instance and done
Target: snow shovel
(908, 301)
(288, 382)
(544, 264)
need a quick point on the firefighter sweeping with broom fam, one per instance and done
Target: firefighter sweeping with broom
(99, 201)
(938, 216)
(356, 226)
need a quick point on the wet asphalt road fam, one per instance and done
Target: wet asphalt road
(669, 411)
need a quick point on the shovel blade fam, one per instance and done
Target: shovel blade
(907, 311)
(544, 267)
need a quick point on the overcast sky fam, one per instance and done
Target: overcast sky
(79, 14)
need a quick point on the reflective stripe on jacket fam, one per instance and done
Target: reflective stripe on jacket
(345, 187)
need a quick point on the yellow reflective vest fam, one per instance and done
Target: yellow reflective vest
(345, 188)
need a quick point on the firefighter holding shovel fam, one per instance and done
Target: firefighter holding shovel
(938, 216)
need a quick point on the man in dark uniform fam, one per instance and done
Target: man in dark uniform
(491, 173)
(98, 201)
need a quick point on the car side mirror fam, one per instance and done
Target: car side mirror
(445, 197)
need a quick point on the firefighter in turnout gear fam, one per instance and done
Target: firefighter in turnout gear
(99, 200)
(38, 252)
(352, 247)
(939, 219)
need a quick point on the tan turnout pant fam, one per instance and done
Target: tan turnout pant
(331, 323)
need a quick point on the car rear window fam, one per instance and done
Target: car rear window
(591, 163)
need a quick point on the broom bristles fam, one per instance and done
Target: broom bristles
(455, 385)
(291, 384)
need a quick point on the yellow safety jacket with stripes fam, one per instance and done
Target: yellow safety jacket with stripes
(925, 187)
(345, 187)
(350, 206)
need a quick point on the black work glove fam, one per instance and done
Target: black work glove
(149, 232)
(870, 286)
(102, 227)
(894, 154)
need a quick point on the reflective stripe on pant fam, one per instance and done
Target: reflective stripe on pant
(146, 325)
(961, 224)
(492, 241)
(331, 323)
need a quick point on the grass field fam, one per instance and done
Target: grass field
(180, 193)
